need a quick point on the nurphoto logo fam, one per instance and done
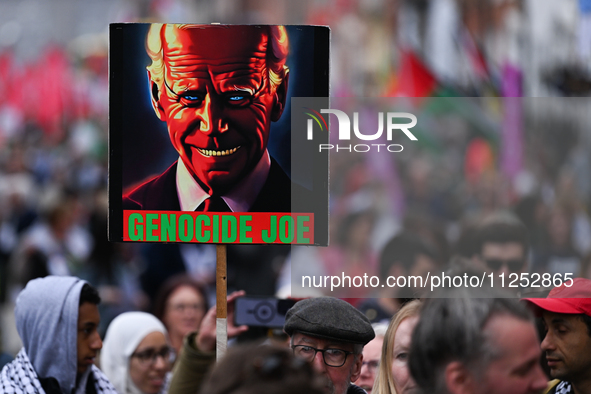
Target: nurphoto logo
(393, 125)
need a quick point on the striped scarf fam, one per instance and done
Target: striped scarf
(19, 377)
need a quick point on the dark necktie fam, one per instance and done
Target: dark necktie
(213, 204)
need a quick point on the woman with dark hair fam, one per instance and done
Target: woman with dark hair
(181, 304)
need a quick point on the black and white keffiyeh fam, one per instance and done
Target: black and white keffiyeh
(101, 383)
(564, 388)
(19, 377)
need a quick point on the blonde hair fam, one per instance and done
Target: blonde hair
(384, 383)
(277, 51)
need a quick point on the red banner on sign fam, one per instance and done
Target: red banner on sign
(218, 228)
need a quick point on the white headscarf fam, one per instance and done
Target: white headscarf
(123, 336)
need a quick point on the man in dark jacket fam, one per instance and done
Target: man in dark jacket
(475, 342)
(326, 331)
(330, 333)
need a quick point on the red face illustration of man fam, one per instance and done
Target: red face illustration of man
(217, 98)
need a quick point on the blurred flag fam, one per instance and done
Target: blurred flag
(475, 57)
(479, 159)
(512, 129)
(414, 78)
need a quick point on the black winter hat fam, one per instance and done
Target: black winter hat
(330, 318)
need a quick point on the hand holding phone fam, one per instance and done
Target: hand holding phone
(261, 311)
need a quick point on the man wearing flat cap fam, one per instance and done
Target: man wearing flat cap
(567, 318)
(330, 334)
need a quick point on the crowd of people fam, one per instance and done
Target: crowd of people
(493, 184)
(53, 180)
(459, 341)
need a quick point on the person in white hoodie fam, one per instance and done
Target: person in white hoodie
(57, 319)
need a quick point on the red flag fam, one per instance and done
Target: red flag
(479, 159)
(414, 78)
(54, 87)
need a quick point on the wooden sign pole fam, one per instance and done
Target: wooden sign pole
(221, 291)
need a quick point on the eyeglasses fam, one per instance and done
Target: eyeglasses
(331, 357)
(372, 365)
(149, 356)
(514, 265)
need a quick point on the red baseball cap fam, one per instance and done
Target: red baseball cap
(574, 299)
